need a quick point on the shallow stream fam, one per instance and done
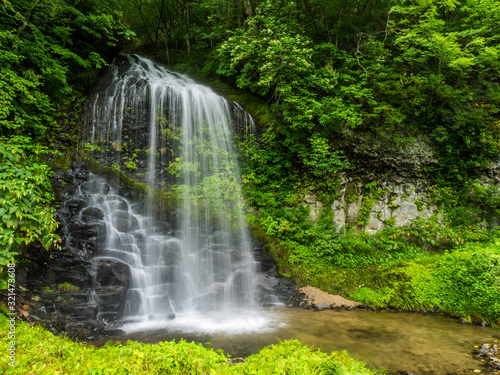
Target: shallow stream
(414, 343)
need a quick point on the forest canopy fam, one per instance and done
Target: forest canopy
(412, 67)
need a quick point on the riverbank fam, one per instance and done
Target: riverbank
(38, 351)
(387, 271)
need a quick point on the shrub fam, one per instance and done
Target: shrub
(41, 352)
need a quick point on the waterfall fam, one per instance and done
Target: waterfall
(173, 135)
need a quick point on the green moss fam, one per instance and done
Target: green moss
(48, 289)
(67, 302)
(131, 166)
(67, 287)
(62, 161)
(163, 197)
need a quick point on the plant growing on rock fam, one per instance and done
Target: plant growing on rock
(67, 287)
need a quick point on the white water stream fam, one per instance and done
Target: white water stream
(201, 267)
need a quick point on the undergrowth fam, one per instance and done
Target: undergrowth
(390, 270)
(448, 262)
(40, 352)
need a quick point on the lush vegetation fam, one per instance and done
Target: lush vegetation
(49, 51)
(419, 69)
(25, 199)
(400, 67)
(463, 282)
(40, 352)
(328, 71)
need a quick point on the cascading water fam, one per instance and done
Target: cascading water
(170, 131)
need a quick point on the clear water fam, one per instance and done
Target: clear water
(415, 343)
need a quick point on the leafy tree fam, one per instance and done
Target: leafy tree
(273, 58)
(49, 51)
(448, 54)
(41, 42)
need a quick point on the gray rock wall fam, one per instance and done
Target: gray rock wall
(394, 202)
(389, 201)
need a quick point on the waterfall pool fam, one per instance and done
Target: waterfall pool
(408, 342)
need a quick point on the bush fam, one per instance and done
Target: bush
(463, 283)
(25, 198)
(40, 352)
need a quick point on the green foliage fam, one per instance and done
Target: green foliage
(371, 194)
(87, 147)
(163, 197)
(271, 52)
(448, 62)
(290, 357)
(428, 68)
(473, 203)
(67, 287)
(320, 160)
(41, 352)
(463, 282)
(369, 297)
(48, 289)
(131, 165)
(390, 221)
(41, 42)
(49, 51)
(25, 197)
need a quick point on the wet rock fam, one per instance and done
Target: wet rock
(495, 363)
(89, 237)
(114, 332)
(110, 272)
(68, 267)
(489, 354)
(322, 306)
(121, 221)
(76, 204)
(92, 187)
(110, 298)
(92, 214)
(486, 350)
(79, 311)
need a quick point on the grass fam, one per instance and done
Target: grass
(40, 352)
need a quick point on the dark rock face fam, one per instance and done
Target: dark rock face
(92, 215)
(273, 289)
(68, 284)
